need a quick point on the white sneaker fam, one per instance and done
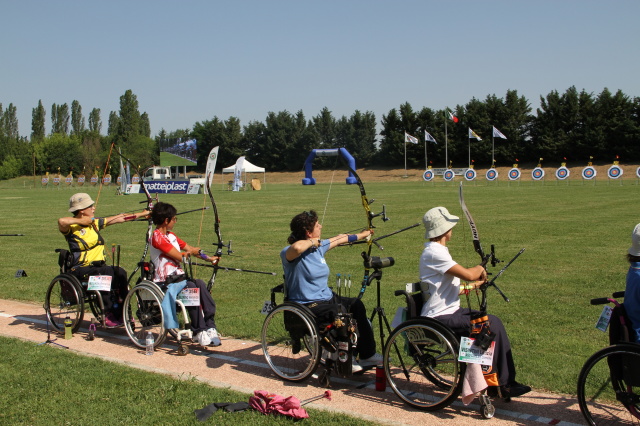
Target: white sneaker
(375, 359)
(213, 335)
(203, 338)
(355, 367)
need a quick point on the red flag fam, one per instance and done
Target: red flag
(453, 117)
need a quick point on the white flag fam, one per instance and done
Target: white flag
(211, 167)
(237, 174)
(428, 137)
(409, 138)
(473, 134)
(498, 134)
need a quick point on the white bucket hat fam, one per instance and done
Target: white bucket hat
(438, 221)
(634, 250)
(80, 201)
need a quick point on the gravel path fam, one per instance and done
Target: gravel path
(239, 365)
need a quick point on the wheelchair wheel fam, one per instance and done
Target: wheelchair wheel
(609, 386)
(143, 313)
(421, 364)
(64, 299)
(290, 342)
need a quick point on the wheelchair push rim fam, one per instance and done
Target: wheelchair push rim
(290, 342)
(421, 364)
(609, 386)
(64, 299)
(143, 314)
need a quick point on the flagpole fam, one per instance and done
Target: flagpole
(446, 141)
(405, 154)
(493, 147)
(469, 150)
(425, 153)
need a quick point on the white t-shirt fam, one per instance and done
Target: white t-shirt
(160, 245)
(443, 288)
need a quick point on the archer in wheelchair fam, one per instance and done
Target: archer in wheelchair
(167, 252)
(313, 321)
(86, 258)
(442, 275)
(306, 275)
(632, 289)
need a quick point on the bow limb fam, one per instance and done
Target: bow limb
(474, 230)
(220, 243)
(370, 241)
(149, 208)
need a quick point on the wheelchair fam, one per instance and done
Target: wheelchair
(294, 339)
(67, 296)
(143, 313)
(609, 382)
(421, 358)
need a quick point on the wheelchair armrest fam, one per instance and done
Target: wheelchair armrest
(276, 289)
(411, 304)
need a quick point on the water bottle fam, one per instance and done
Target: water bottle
(150, 343)
(381, 379)
(68, 328)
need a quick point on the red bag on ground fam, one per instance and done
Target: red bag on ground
(269, 403)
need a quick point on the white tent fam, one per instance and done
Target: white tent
(247, 167)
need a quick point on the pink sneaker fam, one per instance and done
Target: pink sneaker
(111, 322)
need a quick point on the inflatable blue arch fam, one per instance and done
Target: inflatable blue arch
(308, 169)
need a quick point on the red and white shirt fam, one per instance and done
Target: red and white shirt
(162, 244)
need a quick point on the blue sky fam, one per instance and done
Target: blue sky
(189, 61)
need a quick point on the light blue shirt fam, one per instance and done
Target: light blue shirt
(306, 277)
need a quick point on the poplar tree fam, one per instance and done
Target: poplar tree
(38, 117)
(77, 120)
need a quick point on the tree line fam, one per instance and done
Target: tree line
(571, 126)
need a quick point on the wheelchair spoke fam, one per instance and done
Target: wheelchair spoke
(421, 364)
(290, 342)
(143, 313)
(64, 299)
(609, 386)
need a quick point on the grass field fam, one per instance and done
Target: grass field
(576, 236)
(71, 389)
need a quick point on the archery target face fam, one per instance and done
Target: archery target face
(589, 172)
(427, 175)
(537, 173)
(448, 175)
(562, 173)
(492, 174)
(614, 172)
(470, 174)
(638, 172)
(514, 174)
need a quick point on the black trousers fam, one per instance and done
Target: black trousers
(329, 308)
(460, 323)
(202, 317)
(113, 299)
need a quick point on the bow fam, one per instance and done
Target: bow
(216, 227)
(220, 244)
(149, 207)
(370, 216)
(484, 257)
(474, 232)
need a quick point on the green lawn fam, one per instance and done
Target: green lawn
(71, 389)
(576, 236)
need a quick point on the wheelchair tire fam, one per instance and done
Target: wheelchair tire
(143, 313)
(64, 298)
(290, 342)
(421, 364)
(609, 386)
